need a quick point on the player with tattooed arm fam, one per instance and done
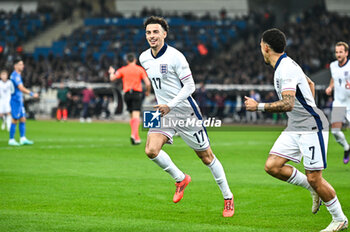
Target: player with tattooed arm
(306, 135)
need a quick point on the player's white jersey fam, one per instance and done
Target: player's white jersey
(5, 91)
(5, 96)
(341, 77)
(166, 71)
(305, 116)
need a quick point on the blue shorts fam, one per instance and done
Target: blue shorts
(17, 110)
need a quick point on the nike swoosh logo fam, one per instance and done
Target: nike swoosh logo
(201, 145)
(312, 163)
(147, 69)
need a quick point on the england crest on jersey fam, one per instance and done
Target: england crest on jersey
(164, 69)
(277, 84)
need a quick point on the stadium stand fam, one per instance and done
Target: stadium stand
(17, 27)
(221, 50)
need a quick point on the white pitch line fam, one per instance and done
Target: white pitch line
(59, 146)
(74, 140)
(225, 144)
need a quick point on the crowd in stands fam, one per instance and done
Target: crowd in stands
(219, 50)
(311, 37)
(17, 27)
(211, 48)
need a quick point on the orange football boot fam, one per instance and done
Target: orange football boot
(229, 208)
(180, 188)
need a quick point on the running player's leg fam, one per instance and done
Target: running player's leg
(314, 149)
(285, 149)
(209, 159)
(197, 138)
(337, 117)
(328, 195)
(276, 166)
(153, 149)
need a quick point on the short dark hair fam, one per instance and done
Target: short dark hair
(130, 57)
(17, 60)
(275, 38)
(157, 20)
(4, 71)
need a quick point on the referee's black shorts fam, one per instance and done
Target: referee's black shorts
(133, 100)
(62, 104)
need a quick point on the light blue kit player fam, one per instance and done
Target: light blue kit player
(17, 106)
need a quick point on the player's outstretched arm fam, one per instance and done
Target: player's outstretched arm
(27, 91)
(284, 105)
(330, 87)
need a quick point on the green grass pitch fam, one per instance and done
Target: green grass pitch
(87, 177)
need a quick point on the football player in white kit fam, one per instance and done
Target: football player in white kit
(5, 97)
(306, 135)
(340, 82)
(173, 85)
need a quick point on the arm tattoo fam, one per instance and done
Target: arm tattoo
(284, 105)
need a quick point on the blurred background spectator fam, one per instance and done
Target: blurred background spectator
(221, 46)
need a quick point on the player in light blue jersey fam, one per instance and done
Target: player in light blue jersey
(306, 136)
(17, 106)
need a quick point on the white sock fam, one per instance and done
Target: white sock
(163, 160)
(300, 179)
(219, 175)
(340, 138)
(8, 121)
(335, 210)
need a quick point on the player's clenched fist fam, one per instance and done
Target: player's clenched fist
(163, 109)
(250, 104)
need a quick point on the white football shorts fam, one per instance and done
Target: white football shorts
(310, 146)
(5, 107)
(194, 136)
